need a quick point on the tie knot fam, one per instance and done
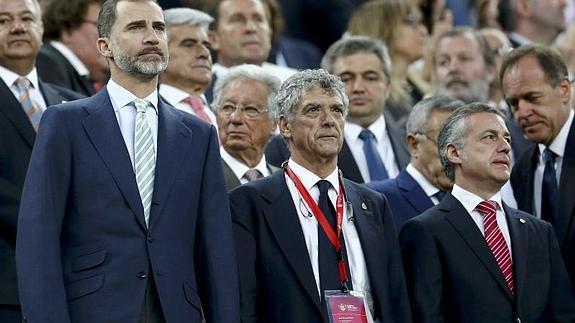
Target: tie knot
(548, 155)
(195, 102)
(487, 207)
(22, 83)
(323, 186)
(141, 105)
(252, 174)
(366, 134)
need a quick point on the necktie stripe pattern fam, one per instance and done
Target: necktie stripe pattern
(144, 157)
(252, 174)
(375, 165)
(34, 114)
(496, 241)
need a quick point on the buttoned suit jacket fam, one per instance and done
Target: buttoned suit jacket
(277, 283)
(277, 152)
(405, 196)
(232, 181)
(84, 250)
(17, 137)
(53, 67)
(452, 275)
(522, 181)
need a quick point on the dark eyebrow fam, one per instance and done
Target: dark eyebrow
(135, 23)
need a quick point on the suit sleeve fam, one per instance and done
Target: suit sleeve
(423, 273)
(216, 268)
(561, 298)
(38, 260)
(242, 212)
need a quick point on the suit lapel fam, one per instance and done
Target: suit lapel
(103, 130)
(522, 179)
(397, 139)
(412, 192)
(462, 222)
(347, 164)
(174, 144)
(518, 234)
(13, 111)
(51, 96)
(232, 180)
(566, 188)
(282, 218)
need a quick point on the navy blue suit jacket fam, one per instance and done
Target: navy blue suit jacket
(452, 275)
(277, 283)
(522, 178)
(406, 198)
(84, 252)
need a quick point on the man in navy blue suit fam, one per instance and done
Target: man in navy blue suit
(123, 215)
(422, 184)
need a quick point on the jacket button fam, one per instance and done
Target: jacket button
(142, 275)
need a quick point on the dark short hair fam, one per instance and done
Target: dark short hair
(64, 15)
(486, 52)
(107, 15)
(549, 60)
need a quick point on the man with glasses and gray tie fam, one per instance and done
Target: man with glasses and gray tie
(245, 122)
(122, 218)
(24, 98)
(472, 258)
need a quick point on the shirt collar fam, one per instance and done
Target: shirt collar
(559, 143)
(425, 185)
(71, 57)
(174, 95)
(378, 129)
(122, 97)
(10, 77)
(309, 179)
(470, 200)
(240, 168)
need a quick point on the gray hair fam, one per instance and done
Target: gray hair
(454, 131)
(417, 121)
(187, 16)
(298, 84)
(247, 72)
(107, 15)
(357, 44)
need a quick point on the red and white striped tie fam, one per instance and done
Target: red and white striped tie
(496, 242)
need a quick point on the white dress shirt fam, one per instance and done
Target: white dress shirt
(470, 202)
(309, 226)
(425, 185)
(558, 147)
(384, 147)
(10, 77)
(240, 168)
(71, 57)
(174, 96)
(126, 114)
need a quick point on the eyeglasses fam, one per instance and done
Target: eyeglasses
(249, 111)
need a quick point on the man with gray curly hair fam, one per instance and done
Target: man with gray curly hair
(472, 252)
(242, 100)
(189, 71)
(290, 256)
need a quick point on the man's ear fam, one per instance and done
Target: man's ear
(214, 40)
(285, 127)
(565, 89)
(412, 145)
(104, 47)
(453, 154)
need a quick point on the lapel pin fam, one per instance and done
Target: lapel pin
(363, 206)
(521, 220)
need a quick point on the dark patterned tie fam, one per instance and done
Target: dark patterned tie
(252, 174)
(549, 188)
(327, 257)
(375, 165)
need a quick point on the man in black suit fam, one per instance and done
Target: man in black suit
(17, 130)
(373, 148)
(286, 261)
(69, 57)
(472, 258)
(245, 122)
(536, 85)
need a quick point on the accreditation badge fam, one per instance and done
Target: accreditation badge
(346, 307)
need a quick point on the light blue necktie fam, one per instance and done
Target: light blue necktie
(375, 165)
(144, 157)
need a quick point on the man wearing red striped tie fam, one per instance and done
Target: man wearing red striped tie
(472, 258)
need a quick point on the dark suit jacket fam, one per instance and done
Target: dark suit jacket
(276, 278)
(54, 68)
(16, 140)
(298, 53)
(84, 252)
(452, 275)
(406, 198)
(522, 182)
(232, 180)
(277, 152)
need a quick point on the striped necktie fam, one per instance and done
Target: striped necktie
(144, 157)
(32, 111)
(496, 241)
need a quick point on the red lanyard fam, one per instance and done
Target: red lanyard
(334, 237)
